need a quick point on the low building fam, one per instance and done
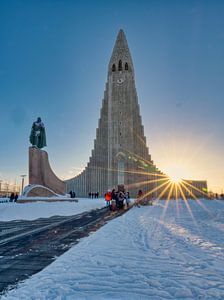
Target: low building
(198, 188)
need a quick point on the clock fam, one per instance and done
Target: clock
(120, 81)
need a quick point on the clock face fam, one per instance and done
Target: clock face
(120, 81)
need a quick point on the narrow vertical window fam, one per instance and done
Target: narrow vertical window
(113, 68)
(126, 66)
(120, 65)
(120, 172)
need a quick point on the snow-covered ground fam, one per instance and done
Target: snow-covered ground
(30, 211)
(144, 254)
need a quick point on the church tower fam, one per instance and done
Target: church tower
(120, 156)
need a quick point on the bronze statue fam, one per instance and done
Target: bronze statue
(37, 135)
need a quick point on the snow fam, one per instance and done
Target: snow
(144, 254)
(34, 210)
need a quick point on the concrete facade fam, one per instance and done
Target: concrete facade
(120, 155)
(40, 173)
(196, 188)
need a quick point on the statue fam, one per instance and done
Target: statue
(37, 135)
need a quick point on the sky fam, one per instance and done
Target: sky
(54, 56)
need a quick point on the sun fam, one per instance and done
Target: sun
(175, 174)
(175, 178)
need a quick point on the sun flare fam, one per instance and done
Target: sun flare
(175, 179)
(175, 174)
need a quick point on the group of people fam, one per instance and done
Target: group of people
(94, 195)
(117, 199)
(72, 194)
(114, 199)
(13, 197)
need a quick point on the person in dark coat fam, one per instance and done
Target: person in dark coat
(116, 196)
(113, 194)
(12, 197)
(121, 200)
(16, 197)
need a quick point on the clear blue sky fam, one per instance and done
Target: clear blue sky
(53, 64)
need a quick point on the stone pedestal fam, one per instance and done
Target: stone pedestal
(40, 173)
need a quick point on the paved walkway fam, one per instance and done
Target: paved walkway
(26, 247)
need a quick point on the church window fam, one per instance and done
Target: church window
(113, 68)
(126, 66)
(120, 65)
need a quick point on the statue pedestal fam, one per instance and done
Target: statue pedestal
(40, 173)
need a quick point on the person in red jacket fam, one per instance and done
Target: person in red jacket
(108, 197)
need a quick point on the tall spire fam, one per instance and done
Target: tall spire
(120, 151)
(121, 51)
(121, 42)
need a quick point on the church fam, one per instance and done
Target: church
(120, 156)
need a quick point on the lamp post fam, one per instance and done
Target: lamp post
(0, 187)
(7, 189)
(23, 178)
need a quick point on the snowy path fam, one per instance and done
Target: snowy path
(40, 209)
(141, 256)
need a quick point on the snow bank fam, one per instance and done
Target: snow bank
(141, 255)
(30, 211)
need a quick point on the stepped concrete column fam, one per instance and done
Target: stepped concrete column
(40, 172)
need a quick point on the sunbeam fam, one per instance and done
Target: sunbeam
(177, 201)
(187, 205)
(163, 191)
(138, 184)
(194, 197)
(154, 189)
(167, 200)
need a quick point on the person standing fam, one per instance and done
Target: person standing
(127, 197)
(12, 197)
(113, 194)
(108, 198)
(121, 200)
(16, 197)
